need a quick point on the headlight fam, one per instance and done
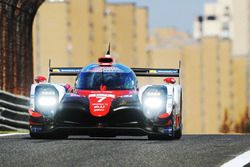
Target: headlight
(153, 106)
(49, 101)
(46, 99)
(153, 102)
(156, 93)
(48, 93)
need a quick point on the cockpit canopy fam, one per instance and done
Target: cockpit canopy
(115, 77)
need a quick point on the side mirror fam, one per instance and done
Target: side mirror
(39, 79)
(169, 80)
(68, 88)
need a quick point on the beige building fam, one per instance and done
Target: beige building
(79, 32)
(79, 28)
(142, 38)
(217, 20)
(164, 38)
(240, 95)
(121, 27)
(226, 19)
(230, 19)
(165, 50)
(241, 25)
(51, 33)
(214, 81)
(193, 118)
(215, 88)
(98, 44)
(84, 30)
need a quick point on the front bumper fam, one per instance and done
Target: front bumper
(101, 131)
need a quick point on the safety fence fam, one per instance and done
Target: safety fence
(13, 111)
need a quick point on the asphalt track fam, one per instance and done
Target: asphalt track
(191, 150)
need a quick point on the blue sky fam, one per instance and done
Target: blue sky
(171, 13)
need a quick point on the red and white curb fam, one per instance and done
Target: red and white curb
(12, 134)
(238, 161)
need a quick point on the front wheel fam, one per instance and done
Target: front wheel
(175, 136)
(178, 134)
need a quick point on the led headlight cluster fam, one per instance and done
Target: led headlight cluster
(153, 99)
(154, 102)
(155, 93)
(48, 92)
(46, 99)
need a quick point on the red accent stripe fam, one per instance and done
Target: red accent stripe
(177, 121)
(117, 93)
(162, 116)
(34, 123)
(34, 114)
(168, 123)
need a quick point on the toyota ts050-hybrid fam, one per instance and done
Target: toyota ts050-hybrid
(106, 101)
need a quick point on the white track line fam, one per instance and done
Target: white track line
(238, 161)
(12, 134)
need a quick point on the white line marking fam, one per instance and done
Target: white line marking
(12, 134)
(238, 161)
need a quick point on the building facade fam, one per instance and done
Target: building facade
(50, 37)
(80, 31)
(227, 19)
(216, 21)
(122, 32)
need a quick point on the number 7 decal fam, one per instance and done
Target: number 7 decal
(101, 99)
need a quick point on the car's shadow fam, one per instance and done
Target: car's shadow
(109, 138)
(86, 138)
(94, 138)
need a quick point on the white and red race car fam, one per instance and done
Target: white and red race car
(106, 101)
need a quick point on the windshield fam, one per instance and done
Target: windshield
(112, 81)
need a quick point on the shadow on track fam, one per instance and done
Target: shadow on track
(93, 138)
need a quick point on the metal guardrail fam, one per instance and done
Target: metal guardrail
(13, 111)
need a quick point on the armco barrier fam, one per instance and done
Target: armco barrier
(13, 111)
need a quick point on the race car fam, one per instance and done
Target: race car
(106, 102)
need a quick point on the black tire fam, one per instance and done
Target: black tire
(178, 134)
(48, 136)
(175, 136)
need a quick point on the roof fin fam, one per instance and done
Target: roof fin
(108, 51)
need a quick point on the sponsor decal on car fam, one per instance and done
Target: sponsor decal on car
(107, 69)
(100, 104)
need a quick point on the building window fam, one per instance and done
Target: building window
(211, 17)
(200, 19)
(225, 27)
(91, 9)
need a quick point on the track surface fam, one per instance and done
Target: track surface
(191, 150)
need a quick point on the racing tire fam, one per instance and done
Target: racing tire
(48, 136)
(178, 134)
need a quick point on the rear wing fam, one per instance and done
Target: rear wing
(156, 72)
(64, 71)
(140, 72)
